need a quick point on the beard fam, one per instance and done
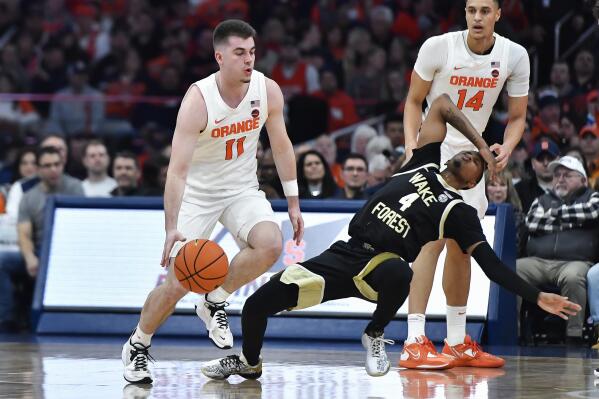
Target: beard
(561, 192)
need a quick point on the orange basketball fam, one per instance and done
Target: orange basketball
(201, 266)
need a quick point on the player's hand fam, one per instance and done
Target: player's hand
(295, 216)
(489, 159)
(172, 236)
(32, 265)
(503, 155)
(557, 305)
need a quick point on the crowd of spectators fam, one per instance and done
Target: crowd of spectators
(101, 82)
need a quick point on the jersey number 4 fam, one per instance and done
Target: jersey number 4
(229, 148)
(475, 102)
(407, 200)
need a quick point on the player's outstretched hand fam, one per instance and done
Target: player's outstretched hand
(558, 305)
(503, 155)
(172, 236)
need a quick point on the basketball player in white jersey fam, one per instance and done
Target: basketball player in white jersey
(472, 67)
(212, 177)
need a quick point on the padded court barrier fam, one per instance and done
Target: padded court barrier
(499, 326)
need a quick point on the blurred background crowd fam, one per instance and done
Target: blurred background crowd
(101, 81)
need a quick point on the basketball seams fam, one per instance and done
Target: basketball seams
(194, 279)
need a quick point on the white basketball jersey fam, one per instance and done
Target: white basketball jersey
(473, 81)
(224, 160)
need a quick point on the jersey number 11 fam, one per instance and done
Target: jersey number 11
(229, 148)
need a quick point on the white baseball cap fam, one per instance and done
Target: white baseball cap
(568, 162)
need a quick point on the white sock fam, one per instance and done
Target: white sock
(141, 337)
(218, 295)
(456, 325)
(415, 326)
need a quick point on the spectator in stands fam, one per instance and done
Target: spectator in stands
(379, 171)
(50, 75)
(314, 177)
(544, 152)
(362, 135)
(25, 177)
(31, 225)
(107, 68)
(559, 80)
(584, 72)
(568, 133)
(355, 174)
(394, 131)
(546, 123)
(292, 74)
(15, 116)
(163, 114)
(127, 173)
(378, 145)
(380, 24)
(342, 109)
(500, 190)
(96, 161)
(326, 146)
(268, 178)
(395, 92)
(589, 143)
(369, 84)
(69, 116)
(564, 237)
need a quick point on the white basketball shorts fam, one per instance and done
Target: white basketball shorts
(238, 213)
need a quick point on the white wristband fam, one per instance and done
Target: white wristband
(290, 188)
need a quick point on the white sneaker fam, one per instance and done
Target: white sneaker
(377, 362)
(135, 358)
(217, 324)
(220, 369)
(596, 372)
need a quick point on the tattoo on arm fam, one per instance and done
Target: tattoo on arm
(457, 119)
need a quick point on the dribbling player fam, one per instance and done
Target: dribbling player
(472, 67)
(212, 177)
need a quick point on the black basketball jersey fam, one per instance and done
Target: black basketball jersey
(416, 206)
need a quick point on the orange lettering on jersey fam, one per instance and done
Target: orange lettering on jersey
(469, 81)
(236, 128)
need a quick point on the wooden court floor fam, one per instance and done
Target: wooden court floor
(78, 369)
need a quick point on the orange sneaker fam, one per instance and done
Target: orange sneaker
(423, 355)
(470, 354)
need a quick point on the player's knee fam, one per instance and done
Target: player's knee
(174, 291)
(397, 273)
(271, 251)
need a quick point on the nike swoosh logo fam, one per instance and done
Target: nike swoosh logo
(458, 68)
(413, 354)
(461, 313)
(217, 121)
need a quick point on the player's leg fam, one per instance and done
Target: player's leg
(271, 298)
(194, 221)
(418, 351)
(391, 281)
(456, 284)
(159, 304)
(249, 217)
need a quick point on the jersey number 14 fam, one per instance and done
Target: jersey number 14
(229, 148)
(475, 102)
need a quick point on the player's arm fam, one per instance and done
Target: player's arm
(25, 234)
(434, 128)
(284, 157)
(508, 279)
(517, 86)
(432, 56)
(191, 120)
(412, 116)
(513, 131)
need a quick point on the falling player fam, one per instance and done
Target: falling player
(212, 177)
(418, 205)
(472, 67)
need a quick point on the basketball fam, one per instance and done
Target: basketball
(201, 266)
